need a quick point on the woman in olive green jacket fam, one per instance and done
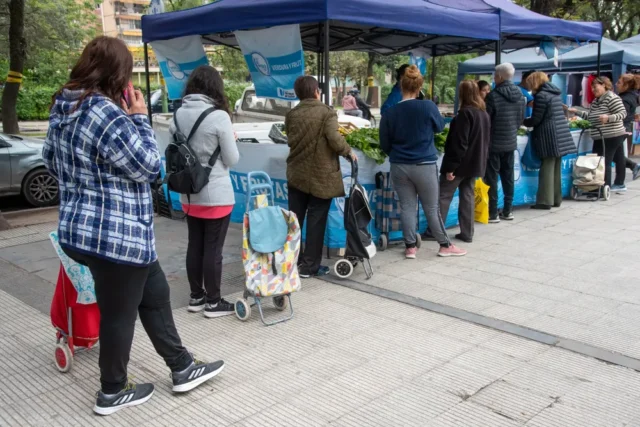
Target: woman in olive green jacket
(314, 177)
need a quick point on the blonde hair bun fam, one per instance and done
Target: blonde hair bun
(412, 80)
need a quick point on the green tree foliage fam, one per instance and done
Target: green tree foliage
(620, 18)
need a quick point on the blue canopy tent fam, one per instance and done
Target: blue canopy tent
(634, 39)
(614, 56)
(442, 26)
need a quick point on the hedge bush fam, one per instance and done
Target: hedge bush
(34, 101)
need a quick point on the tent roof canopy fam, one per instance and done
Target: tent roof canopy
(442, 26)
(584, 57)
(634, 39)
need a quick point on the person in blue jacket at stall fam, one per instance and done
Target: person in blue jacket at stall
(527, 94)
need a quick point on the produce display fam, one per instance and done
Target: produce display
(441, 139)
(366, 140)
(522, 131)
(578, 123)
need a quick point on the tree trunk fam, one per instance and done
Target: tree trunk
(370, 63)
(17, 53)
(543, 7)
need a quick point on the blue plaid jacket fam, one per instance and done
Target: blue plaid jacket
(104, 161)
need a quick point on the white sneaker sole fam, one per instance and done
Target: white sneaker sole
(410, 257)
(445, 255)
(183, 388)
(213, 315)
(195, 308)
(113, 409)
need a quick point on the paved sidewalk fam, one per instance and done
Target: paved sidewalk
(30, 249)
(347, 359)
(572, 272)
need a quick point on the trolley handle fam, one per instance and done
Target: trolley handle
(354, 170)
(589, 129)
(254, 189)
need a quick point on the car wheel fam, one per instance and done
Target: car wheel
(40, 189)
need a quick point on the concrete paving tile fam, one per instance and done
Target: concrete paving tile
(468, 302)
(280, 415)
(575, 314)
(470, 333)
(488, 361)
(510, 401)
(542, 381)
(618, 406)
(509, 313)
(532, 302)
(568, 416)
(470, 414)
(456, 380)
(514, 346)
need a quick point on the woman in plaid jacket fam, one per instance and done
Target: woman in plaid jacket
(101, 148)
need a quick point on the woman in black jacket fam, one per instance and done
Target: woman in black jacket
(628, 86)
(551, 139)
(465, 157)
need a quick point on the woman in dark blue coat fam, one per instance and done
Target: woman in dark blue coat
(551, 139)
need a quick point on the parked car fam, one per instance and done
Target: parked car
(22, 171)
(156, 102)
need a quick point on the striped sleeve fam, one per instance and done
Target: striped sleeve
(617, 112)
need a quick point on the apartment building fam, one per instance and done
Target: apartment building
(123, 19)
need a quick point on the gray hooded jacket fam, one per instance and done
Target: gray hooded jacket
(216, 129)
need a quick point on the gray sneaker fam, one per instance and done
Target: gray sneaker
(131, 395)
(196, 374)
(196, 305)
(507, 216)
(220, 309)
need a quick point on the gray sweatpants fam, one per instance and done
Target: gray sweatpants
(411, 182)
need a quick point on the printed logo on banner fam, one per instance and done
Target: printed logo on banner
(275, 59)
(177, 58)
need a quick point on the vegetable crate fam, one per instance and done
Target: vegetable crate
(387, 217)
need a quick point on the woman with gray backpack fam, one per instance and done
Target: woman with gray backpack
(208, 210)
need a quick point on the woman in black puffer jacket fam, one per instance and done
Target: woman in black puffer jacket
(551, 139)
(628, 86)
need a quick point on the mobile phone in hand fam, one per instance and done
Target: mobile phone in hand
(126, 94)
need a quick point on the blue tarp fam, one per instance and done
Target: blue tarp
(634, 39)
(444, 26)
(583, 58)
(615, 57)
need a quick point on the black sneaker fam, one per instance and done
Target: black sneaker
(494, 219)
(427, 235)
(464, 238)
(322, 271)
(196, 374)
(507, 216)
(131, 395)
(196, 305)
(222, 308)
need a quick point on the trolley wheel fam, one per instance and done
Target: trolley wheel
(418, 240)
(63, 357)
(606, 192)
(280, 302)
(574, 193)
(383, 242)
(343, 268)
(243, 309)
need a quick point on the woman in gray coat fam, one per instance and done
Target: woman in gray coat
(551, 139)
(209, 211)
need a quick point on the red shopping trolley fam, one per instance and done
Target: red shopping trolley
(77, 325)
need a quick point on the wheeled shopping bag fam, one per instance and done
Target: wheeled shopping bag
(387, 215)
(589, 173)
(74, 311)
(271, 240)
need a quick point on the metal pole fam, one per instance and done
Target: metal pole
(327, 83)
(499, 51)
(599, 55)
(433, 74)
(146, 70)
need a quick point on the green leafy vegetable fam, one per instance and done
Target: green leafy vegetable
(440, 139)
(522, 131)
(367, 140)
(580, 124)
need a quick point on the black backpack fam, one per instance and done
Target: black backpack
(185, 174)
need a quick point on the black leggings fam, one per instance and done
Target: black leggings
(204, 256)
(614, 152)
(123, 292)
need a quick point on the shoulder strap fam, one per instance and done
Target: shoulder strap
(198, 122)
